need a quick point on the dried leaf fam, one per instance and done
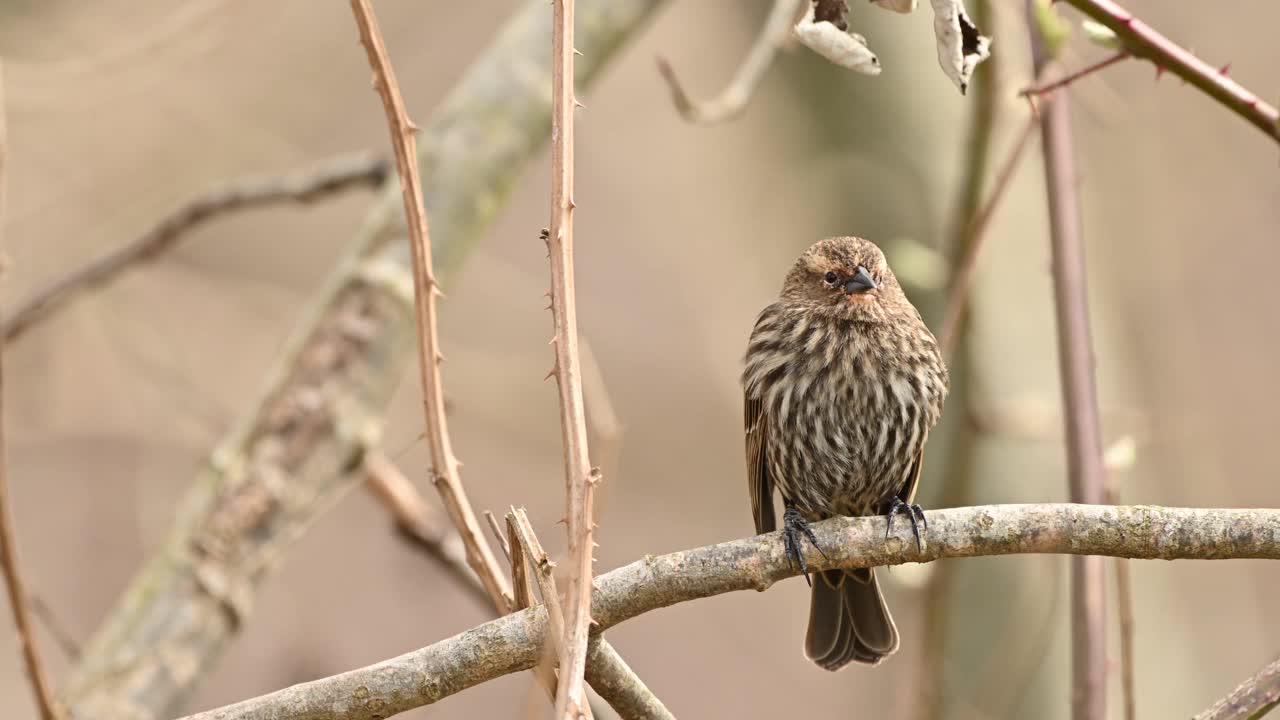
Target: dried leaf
(844, 48)
(961, 46)
(902, 6)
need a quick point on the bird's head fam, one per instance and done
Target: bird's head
(845, 278)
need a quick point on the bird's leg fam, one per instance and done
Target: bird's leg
(793, 528)
(913, 512)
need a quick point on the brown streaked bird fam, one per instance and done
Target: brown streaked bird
(843, 382)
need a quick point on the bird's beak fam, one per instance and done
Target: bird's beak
(860, 282)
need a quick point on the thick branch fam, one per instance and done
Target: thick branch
(304, 186)
(1143, 41)
(511, 643)
(303, 443)
(1254, 697)
(41, 688)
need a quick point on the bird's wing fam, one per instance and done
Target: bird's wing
(758, 481)
(908, 491)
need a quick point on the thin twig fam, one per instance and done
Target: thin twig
(621, 688)
(504, 542)
(1142, 41)
(65, 640)
(1086, 475)
(522, 588)
(1124, 599)
(731, 101)
(520, 530)
(444, 466)
(1124, 603)
(1254, 698)
(415, 521)
(40, 685)
(580, 477)
(347, 172)
(512, 643)
(962, 277)
(1065, 80)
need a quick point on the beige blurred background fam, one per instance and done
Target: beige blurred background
(118, 110)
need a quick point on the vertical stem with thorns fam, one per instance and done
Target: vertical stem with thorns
(580, 477)
(1079, 391)
(444, 466)
(18, 598)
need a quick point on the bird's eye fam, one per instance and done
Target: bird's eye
(831, 278)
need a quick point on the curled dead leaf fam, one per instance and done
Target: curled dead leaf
(843, 47)
(961, 46)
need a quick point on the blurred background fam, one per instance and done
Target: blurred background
(119, 110)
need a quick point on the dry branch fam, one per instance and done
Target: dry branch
(1253, 699)
(580, 477)
(303, 443)
(511, 643)
(525, 546)
(1085, 473)
(1141, 40)
(607, 672)
(304, 186)
(967, 263)
(41, 688)
(731, 101)
(444, 466)
(416, 522)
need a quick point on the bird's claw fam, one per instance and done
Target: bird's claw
(794, 527)
(913, 512)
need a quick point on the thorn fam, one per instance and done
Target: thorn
(578, 52)
(562, 521)
(411, 126)
(1224, 70)
(572, 205)
(578, 104)
(1031, 103)
(549, 374)
(1159, 71)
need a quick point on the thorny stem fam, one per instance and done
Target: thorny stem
(41, 688)
(1142, 41)
(444, 466)
(607, 672)
(580, 477)
(1066, 80)
(1086, 476)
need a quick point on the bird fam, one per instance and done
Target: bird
(842, 383)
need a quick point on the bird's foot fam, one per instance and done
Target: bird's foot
(795, 527)
(913, 512)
